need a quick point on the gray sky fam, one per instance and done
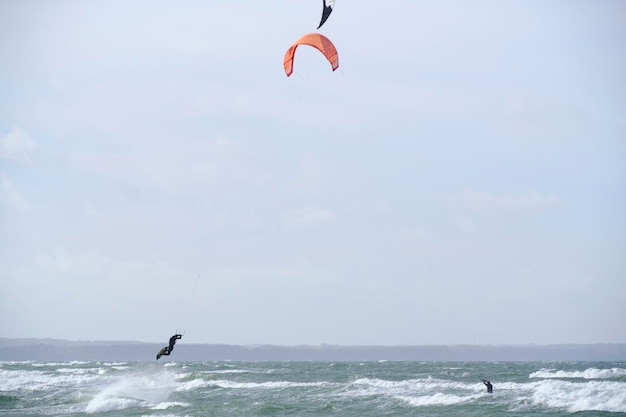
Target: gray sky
(461, 178)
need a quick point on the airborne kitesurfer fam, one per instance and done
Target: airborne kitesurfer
(168, 349)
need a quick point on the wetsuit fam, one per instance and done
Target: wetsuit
(488, 385)
(173, 340)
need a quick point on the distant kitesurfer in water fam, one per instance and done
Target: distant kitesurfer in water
(488, 385)
(163, 352)
(173, 340)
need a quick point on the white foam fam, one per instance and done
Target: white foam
(265, 385)
(419, 392)
(11, 363)
(227, 371)
(591, 373)
(581, 396)
(420, 384)
(193, 384)
(219, 372)
(47, 364)
(438, 399)
(55, 364)
(166, 405)
(80, 371)
(28, 380)
(140, 389)
(103, 402)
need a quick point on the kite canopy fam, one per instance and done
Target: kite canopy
(326, 11)
(320, 42)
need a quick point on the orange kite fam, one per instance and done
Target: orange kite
(320, 42)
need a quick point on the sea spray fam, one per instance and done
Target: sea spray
(134, 388)
(315, 389)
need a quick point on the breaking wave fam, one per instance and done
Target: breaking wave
(591, 373)
(581, 396)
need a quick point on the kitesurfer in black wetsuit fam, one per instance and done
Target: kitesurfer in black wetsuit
(168, 349)
(488, 385)
(173, 340)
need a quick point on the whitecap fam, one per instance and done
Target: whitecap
(166, 405)
(192, 385)
(419, 384)
(265, 385)
(591, 373)
(103, 402)
(15, 380)
(581, 396)
(438, 399)
(133, 390)
(227, 371)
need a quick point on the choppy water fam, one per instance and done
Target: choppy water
(170, 389)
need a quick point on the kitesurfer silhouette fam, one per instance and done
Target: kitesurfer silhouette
(488, 385)
(168, 349)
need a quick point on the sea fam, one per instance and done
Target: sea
(310, 389)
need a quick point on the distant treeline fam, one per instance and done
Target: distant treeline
(64, 350)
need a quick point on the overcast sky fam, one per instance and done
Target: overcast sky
(461, 178)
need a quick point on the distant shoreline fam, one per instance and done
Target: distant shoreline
(66, 350)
